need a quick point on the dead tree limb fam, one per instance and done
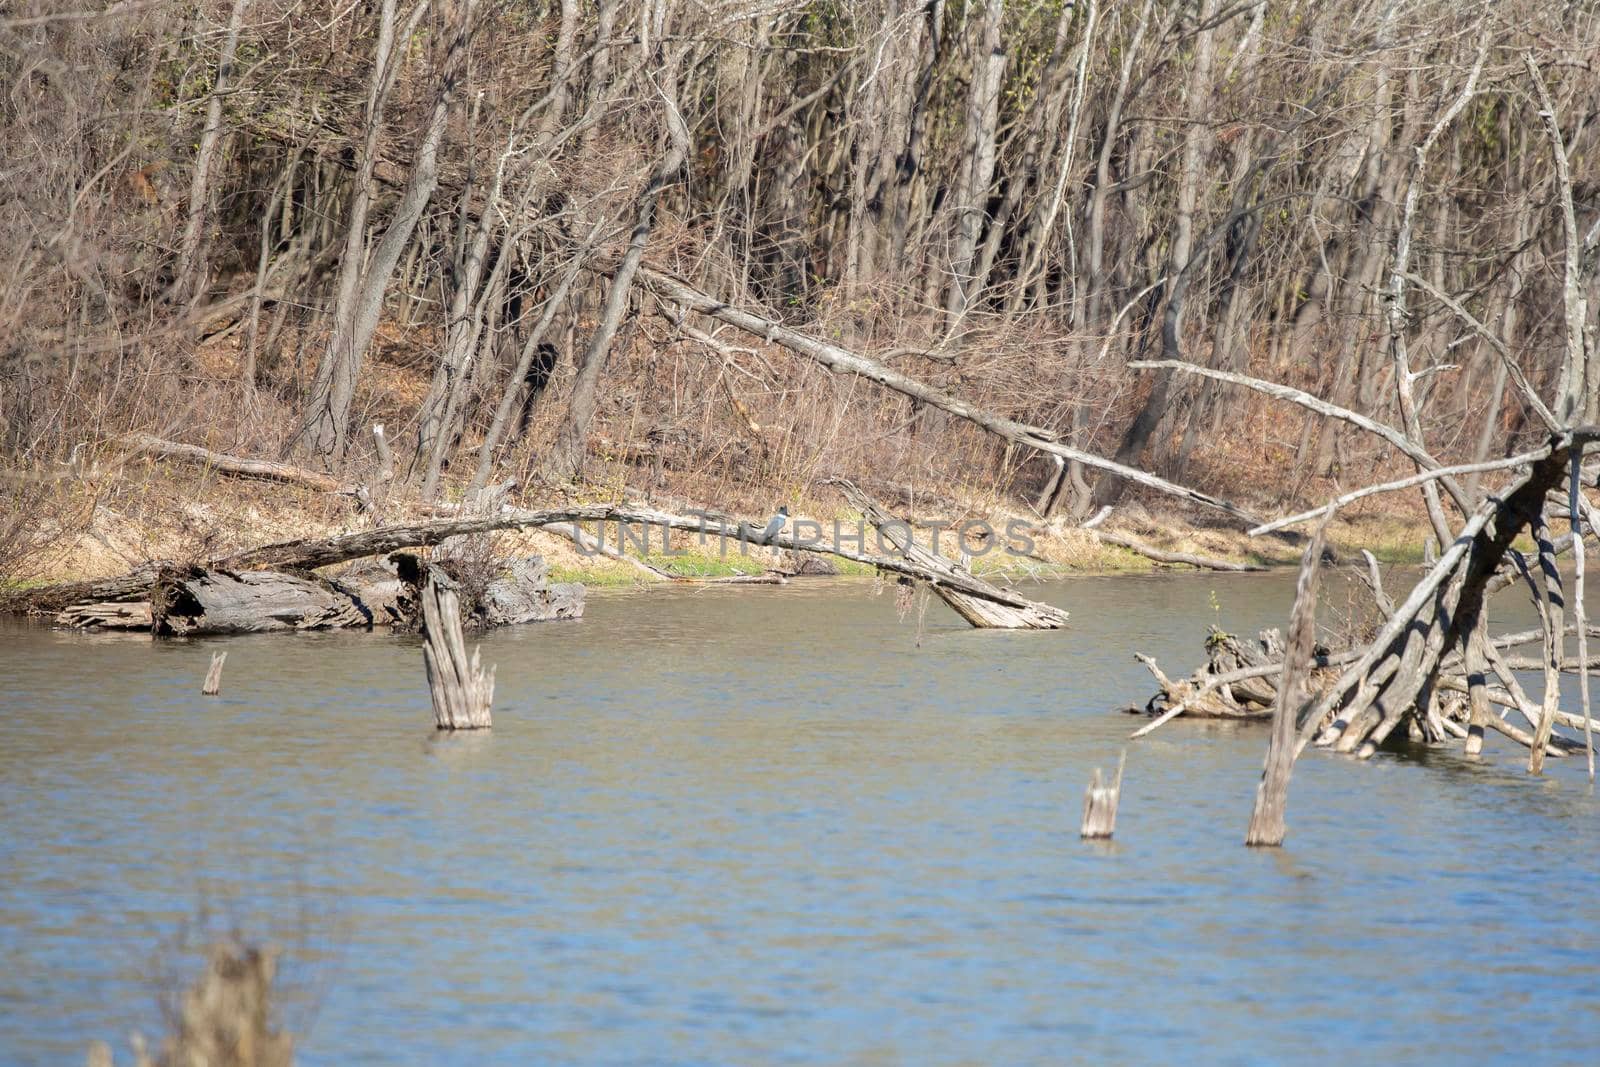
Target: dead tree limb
(1410, 448)
(1404, 483)
(1372, 695)
(842, 361)
(238, 467)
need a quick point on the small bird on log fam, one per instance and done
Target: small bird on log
(775, 523)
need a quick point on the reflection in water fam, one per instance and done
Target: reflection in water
(753, 825)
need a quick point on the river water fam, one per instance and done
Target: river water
(773, 825)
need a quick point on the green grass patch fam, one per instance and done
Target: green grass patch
(692, 564)
(598, 577)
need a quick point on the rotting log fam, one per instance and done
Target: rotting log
(195, 601)
(108, 615)
(50, 599)
(981, 612)
(507, 592)
(462, 692)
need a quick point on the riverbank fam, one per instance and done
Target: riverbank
(92, 528)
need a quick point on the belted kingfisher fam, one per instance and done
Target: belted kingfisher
(775, 523)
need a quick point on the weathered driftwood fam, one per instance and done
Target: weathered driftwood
(1100, 803)
(1237, 681)
(985, 612)
(213, 682)
(461, 690)
(110, 615)
(194, 601)
(1381, 688)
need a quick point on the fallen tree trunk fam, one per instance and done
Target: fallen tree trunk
(843, 361)
(323, 552)
(196, 601)
(45, 600)
(191, 601)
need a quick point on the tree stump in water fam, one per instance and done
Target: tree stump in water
(213, 683)
(1100, 803)
(461, 690)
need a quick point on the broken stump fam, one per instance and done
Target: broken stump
(1100, 803)
(213, 682)
(462, 691)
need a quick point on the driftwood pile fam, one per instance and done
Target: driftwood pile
(1237, 681)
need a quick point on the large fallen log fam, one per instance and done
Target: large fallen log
(196, 601)
(193, 601)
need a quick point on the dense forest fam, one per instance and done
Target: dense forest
(503, 231)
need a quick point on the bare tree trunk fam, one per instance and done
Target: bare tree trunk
(1195, 141)
(1267, 825)
(188, 279)
(356, 316)
(566, 461)
(976, 176)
